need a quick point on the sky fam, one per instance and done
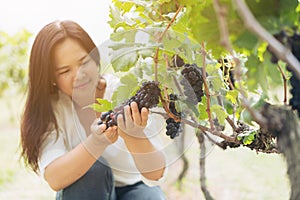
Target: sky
(92, 15)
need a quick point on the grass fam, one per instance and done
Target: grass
(231, 174)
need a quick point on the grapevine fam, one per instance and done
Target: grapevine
(219, 104)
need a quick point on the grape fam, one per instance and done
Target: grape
(192, 83)
(295, 45)
(177, 61)
(147, 96)
(294, 81)
(108, 119)
(173, 128)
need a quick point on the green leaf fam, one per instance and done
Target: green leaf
(247, 137)
(130, 80)
(202, 106)
(102, 105)
(120, 95)
(125, 61)
(129, 85)
(246, 40)
(220, 113)
(232, 95)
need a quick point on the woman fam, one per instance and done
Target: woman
(63, 142)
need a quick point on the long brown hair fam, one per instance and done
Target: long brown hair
(38, 113)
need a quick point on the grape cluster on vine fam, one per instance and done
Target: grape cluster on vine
(147, 96)
(173, 128)
(192, 82)
(294, 42)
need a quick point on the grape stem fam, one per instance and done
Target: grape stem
(284, 84)
(170, 24)
(168, 112)
(160, 39)
(155, 64)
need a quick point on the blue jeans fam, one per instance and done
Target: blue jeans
(98, 184)
(139, 191)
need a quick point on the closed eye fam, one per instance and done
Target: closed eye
(86, 62)
(63, 72)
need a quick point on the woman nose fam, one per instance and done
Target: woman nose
(79, 73)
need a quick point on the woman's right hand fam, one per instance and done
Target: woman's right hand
(100, 131)
(100, 138)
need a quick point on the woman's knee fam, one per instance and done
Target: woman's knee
(142, 191)
(97, 181)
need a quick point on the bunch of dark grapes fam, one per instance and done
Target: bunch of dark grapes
(294, 80)
(108, 119)
(173, 128)
(192, 83)
(147, 96)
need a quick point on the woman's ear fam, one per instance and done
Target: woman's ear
(54, 88)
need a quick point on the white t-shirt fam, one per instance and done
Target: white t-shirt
(71, 133)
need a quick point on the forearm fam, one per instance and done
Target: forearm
(68, 168)
(149, 161)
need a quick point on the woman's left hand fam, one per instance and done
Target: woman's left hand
(133, 122)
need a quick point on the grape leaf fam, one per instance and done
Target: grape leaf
(202, 106)
(232, 95)
(220, 113)
(247, 137)
(102, 105)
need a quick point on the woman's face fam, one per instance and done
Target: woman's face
(75, 71)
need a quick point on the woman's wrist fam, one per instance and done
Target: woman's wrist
(133, 137)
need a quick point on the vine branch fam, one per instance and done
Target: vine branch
(170, 24)
(159, 40)
(202, 159)
(202, 128)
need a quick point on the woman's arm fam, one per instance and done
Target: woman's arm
(69, 167)
(149, 161)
